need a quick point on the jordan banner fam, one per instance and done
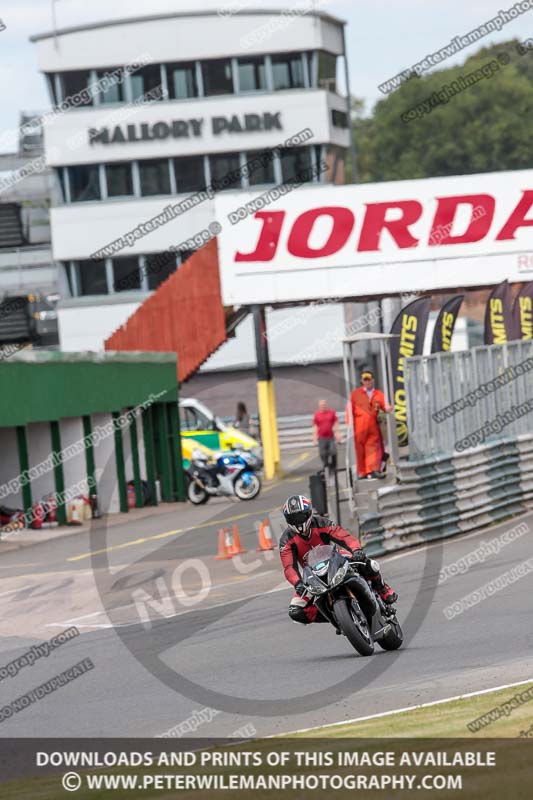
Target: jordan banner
(523, 312)
(499, 326)
(443, 331)
(409, 328)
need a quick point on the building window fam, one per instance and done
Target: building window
(308, 68)
(182, 80)
(260, 166)
(73, 84)
(119, 180)
(114, 92)
(146, 80)
(155, 177)
(84, 183)
(339, 118)
(252, 74)
(69, 268)
(159, 267)
(92, 277)
(327, 71)
(185, 254)
(225, 171)
(61, 180)
(50, 80)
(217, 76)
(126, 274)
(189, 174)
(287, 71)
(296, 165)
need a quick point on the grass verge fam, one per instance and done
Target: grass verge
(446, 719)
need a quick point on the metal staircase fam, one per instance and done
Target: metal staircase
(11, 234)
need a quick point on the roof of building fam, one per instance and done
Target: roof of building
(93, 357)
(180, 14)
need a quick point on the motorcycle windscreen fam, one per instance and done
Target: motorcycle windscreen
(318, 555)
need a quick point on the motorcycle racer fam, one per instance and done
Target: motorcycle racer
(306, 530)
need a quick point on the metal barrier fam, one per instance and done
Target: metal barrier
(451, 495)
(456, 401)
(296, 432)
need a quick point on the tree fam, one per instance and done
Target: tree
(484, 127)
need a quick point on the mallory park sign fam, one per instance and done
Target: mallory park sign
(185, 128)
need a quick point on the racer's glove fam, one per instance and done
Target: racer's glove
(299, 588)
(359, 558)
(367, 567)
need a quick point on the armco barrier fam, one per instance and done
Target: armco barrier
(296, 432)
(451, 494)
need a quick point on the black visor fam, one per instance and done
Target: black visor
(298, 517)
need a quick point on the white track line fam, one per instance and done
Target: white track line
(408, 708)
(20, 589)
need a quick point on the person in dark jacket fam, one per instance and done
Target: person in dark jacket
(306, 530)
(242, 418)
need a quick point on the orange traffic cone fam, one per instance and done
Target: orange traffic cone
(224, 544)
(265, 537)
(236, 547)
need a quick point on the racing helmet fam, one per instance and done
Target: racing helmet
(298, 514)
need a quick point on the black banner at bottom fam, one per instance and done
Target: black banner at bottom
(291, 768)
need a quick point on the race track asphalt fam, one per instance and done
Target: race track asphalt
(238, 651)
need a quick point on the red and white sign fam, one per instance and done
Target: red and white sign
(374, 239)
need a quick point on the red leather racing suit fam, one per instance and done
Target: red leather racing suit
(292, 549)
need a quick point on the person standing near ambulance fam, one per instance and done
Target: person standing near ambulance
(367, 404)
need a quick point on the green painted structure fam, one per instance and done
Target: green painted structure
(47, 387)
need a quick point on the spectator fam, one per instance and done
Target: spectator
(242, 418)
(325, 432)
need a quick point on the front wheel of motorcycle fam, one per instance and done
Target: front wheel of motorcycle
(353, 624)
(247, 490)
(196, 494)
(394, 638)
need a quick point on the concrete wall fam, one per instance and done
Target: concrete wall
(296, 336)
(9, 466)
(298, 389)
(104, 456)
(86, 327)
(186, 36)
(75, 468)
(142, 454)
(128, 460)
(39, 449)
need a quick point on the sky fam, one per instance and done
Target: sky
(382, 36)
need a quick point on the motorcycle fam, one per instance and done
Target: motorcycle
(349, 602)
(232, 474)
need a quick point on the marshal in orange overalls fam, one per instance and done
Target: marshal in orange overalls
(367, 436)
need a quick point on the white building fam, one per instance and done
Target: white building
(215, 92)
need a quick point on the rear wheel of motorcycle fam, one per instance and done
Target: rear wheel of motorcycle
(359, 637)
(250, 491)
(196, 494)
(394, 638)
